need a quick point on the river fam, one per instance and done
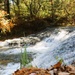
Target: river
(46, 48)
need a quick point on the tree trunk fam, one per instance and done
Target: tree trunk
(18, 3)
(7, 7)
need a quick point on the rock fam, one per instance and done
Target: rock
(72, 72)
(72, 68)
(51, 72)
(55, 71)
(32, 74)
(63, 73)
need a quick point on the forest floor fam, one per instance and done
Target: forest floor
(57, 69)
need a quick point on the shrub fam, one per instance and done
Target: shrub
(5, 24)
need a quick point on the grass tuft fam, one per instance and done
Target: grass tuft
(24, 58)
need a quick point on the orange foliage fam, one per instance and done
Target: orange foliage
(57, 65)
(5, 24)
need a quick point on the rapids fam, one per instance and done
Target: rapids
(60, 45)
(48, 48)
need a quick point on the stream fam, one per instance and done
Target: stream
(45, 48)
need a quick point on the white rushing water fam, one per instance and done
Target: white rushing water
(9, 69)
(60, 44)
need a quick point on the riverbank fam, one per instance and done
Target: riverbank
(57, 69)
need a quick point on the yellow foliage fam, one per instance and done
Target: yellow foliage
(5, 24)
(2, 13)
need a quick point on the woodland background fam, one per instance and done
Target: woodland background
(23, 17)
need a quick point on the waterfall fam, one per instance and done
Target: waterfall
(55, 45)
(61, 44)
